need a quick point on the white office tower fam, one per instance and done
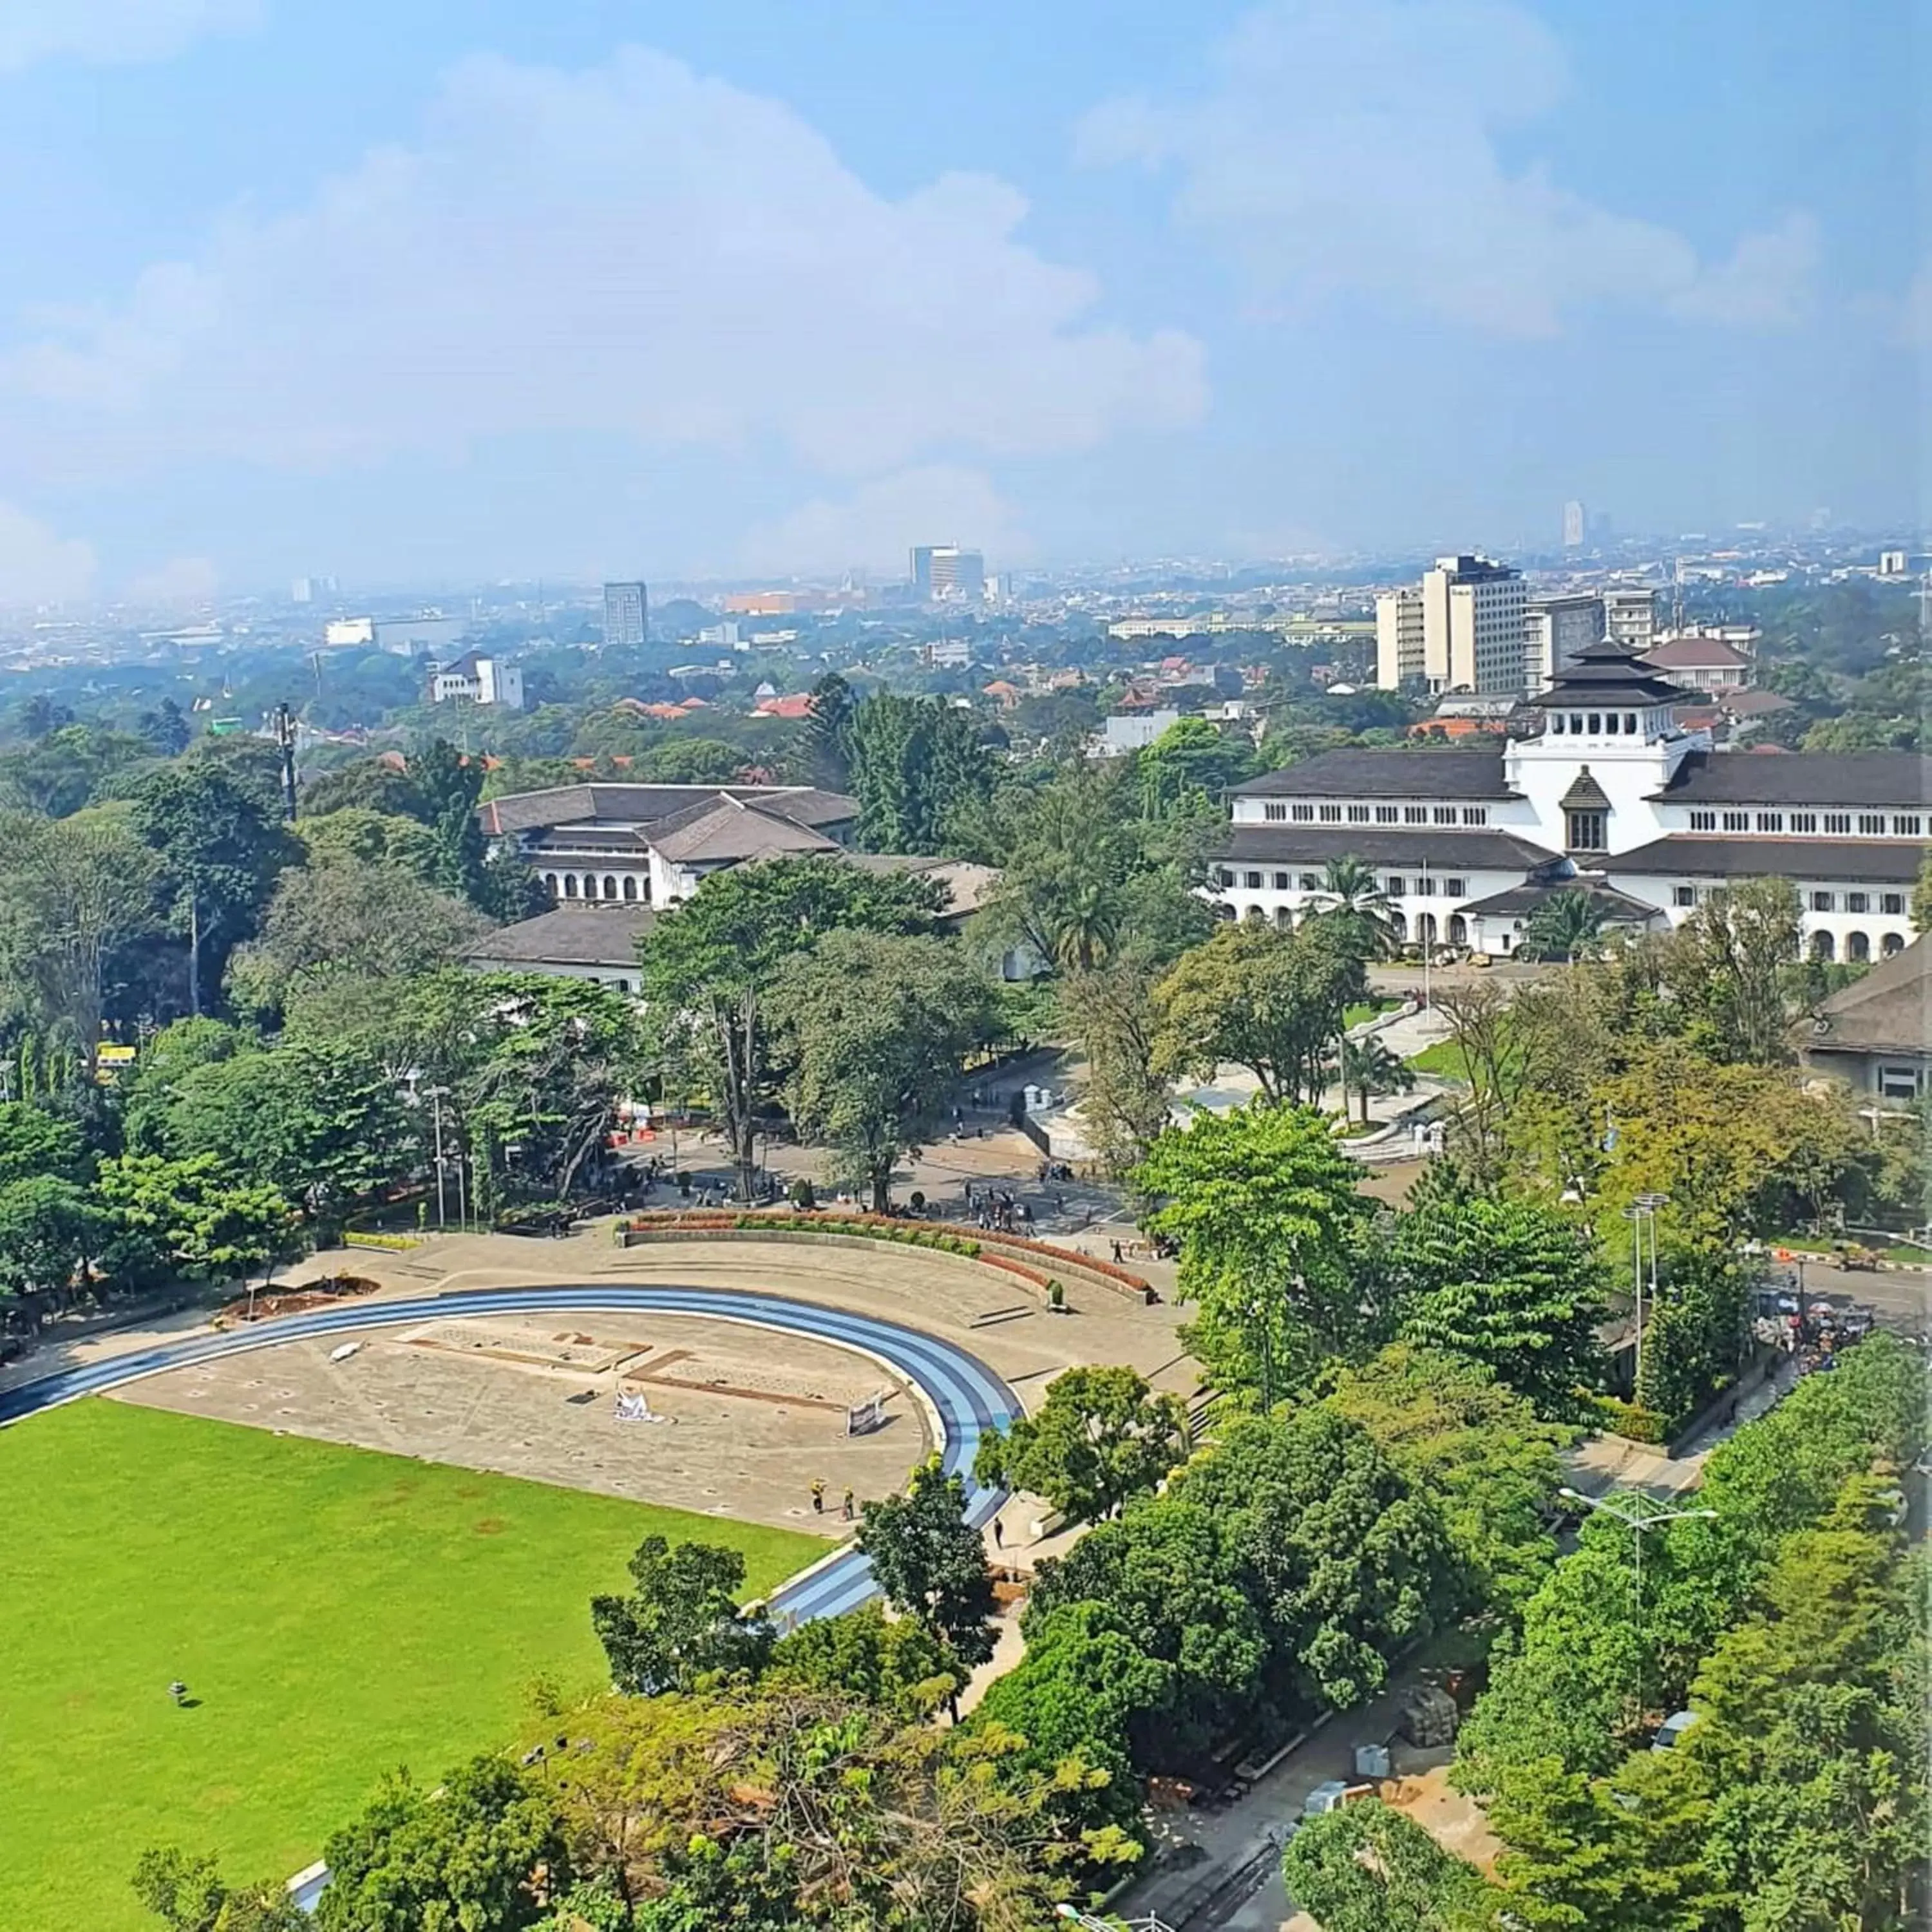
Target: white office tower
(1576, 525)
(1399, 657)
(1472, 626)
(1630, 618)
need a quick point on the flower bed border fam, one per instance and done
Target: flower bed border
(1019, 1254)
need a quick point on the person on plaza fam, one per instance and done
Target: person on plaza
(999, 1534)
(846, 1508)
(818, 1496)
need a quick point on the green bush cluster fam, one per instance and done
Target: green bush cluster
(905, 1237)
(1632, 1419)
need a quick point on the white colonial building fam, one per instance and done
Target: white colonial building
(650, 844)
(1614, 797)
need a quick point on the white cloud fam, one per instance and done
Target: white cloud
(38, 567)
(181, 580)
(112, 32)
(1350, 145)
(877, 525)
(631, 248)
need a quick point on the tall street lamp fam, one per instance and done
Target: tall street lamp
(1637, 1513)
(1642, 1209)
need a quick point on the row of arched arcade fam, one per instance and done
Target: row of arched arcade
(565, 887)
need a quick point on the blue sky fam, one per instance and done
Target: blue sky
(425, 292)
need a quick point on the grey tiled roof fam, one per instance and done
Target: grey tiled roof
(1409, 847)
(1888, 1011)
(578, 935)
(1416, 774)
(1822, 779)
(1881, 861)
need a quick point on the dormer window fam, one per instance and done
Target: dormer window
(1587, 832)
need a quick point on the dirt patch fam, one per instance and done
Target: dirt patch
(740, 1421)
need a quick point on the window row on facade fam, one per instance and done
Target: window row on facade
(1394, 885)
(569, 887)
(1831, 824)
(1891, 905)
(1379, 815)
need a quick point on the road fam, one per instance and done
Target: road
(965, 1396)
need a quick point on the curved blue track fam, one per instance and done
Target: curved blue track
(969, 1399)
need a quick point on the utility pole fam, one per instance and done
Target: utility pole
(1635, 1512)
(1642, 1209)
(285, 741)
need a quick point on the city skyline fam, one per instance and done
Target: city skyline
(1495, 260)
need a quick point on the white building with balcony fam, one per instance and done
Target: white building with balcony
(1613, 796)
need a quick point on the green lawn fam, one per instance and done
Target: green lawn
(1443, 1060)
(336, 1612)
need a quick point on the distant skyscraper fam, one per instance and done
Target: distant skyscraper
(1576, 526)
(944, 571)
(627, 614)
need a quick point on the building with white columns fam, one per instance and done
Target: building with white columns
(1613, 796)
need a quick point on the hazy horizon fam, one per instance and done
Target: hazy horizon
(482, 293)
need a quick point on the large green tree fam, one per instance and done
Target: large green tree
(680, 1621)
(208, 1227)
(873, 1029)
(1365, 1868)
(930, 1563)
(1268, 1001)
(917, 763)
(1272, 1231)
(221, 845)
(1124, 1096)
(481, 1851)
(1101, 1435)
(189, 1894)
(1508, 1284)
(710, 964)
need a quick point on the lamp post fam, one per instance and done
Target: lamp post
(1643, 1208)
(1637, 1514)
(436, 1094)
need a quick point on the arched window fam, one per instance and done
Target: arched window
(1857, 945)
(570, 885)
(590, 885)
(609, 886)
(1284, 917)
(1398, 925)
(1893, 942)
(1823, 947)
(1458, 929)
(1425, 927)
(630, 886)
(550, 884)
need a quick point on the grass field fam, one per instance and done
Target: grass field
(335, 1611)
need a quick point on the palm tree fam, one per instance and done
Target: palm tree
(1356, 908)
(1087, 924)
(1567, 925)
(1369, 1067)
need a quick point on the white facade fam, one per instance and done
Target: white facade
(1401, 656)
(1131, 731)
(478, 680)
(1630, 618)
(1615, 796)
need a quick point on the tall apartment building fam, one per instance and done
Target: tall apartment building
(1630, 618)
(627, 614)
(1400, 651)
(1556, 632)
(1576, 526)
(1472, 628)
(945, 571)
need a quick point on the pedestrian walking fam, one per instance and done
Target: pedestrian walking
(846, 1508)
(818, 1497)
(1116, 1254)
(999, 1534)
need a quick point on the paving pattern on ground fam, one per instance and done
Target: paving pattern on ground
(747, 1419)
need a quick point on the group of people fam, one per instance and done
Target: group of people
(846, 1506)
(997, 1209)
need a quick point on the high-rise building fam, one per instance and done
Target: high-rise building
(1556, 632)
(1630, 618)
(1472, 627)
(627, 614)
(1400, 654)
(945, 572)
(1576, 526)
